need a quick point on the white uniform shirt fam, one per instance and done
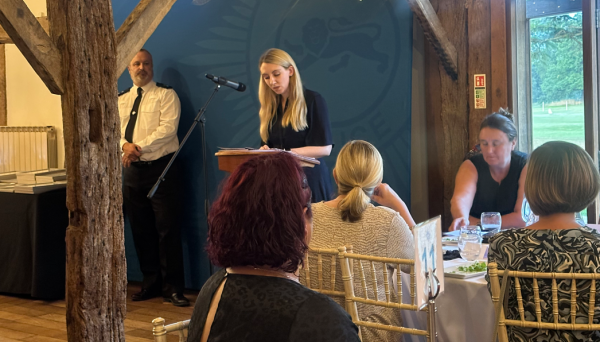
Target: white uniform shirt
(158, 118)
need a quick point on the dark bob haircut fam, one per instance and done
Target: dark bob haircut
(561, 178)
(503, 121)
(259, 217)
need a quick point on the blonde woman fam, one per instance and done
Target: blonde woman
(294, 118)
(351, 219)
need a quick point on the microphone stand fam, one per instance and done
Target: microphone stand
(200, 118)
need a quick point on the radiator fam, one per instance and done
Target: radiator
(27, 148)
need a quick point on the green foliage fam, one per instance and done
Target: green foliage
(556, 58)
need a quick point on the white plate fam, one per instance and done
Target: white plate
(462, 275)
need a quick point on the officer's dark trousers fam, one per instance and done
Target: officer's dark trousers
(155, 223)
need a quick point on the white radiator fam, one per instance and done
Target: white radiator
(27, 148)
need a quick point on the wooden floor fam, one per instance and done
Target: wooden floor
(26, 319)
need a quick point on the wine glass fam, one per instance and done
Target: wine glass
(491, 222)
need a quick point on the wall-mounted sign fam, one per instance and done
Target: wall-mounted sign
(479, 87)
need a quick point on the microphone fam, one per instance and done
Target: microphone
(239, 86)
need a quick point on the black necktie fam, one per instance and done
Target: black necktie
(133, 117)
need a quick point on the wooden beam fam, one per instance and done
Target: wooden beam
(435, 33)
(590, 90)
(500, 69)
(34, 43)
(479, 58)
(96, 280)
(446, 108)
(3, 111)
(5, 39)
(137, 28)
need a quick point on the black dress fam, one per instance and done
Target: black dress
(318, 133)
(256, 308)
(491, 195)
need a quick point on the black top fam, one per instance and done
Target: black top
(257, 308)
(494, 196)
(318, 133)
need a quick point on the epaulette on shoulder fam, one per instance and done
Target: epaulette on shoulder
(124, 91)
(158, 84)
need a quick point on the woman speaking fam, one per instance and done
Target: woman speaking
(294, 118)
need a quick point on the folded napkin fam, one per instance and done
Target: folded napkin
(451, 254)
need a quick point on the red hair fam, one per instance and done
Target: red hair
(259, 217)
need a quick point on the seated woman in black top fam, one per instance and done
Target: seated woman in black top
(493, 180)
(259, 230)
(294, 118)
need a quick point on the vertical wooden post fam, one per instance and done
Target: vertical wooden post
(3, 103)
(590, 90)
(83, 31)
(499, 84)
(479, 58)
(446, 110)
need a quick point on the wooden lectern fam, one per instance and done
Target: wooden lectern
(230, 159)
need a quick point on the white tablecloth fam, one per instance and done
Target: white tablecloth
(465, 312)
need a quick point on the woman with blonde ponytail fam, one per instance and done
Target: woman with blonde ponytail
(351, 220)
(294, 118)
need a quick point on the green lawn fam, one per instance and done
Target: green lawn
(562, 124)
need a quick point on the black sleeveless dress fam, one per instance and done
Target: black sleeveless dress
(318, 133)
(494, 196)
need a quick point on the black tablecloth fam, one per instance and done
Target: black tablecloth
(32, 243)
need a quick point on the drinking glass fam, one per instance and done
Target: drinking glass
(469, 242)
(491, 222)
(528, 216)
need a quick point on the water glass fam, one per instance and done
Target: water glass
(469, 242)
(528, 216)
(491, 222)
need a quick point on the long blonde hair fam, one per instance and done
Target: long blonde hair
(295, 114)
(358, 170)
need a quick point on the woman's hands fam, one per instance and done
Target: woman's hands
(458, 222)
(264, 147)
(386, 196)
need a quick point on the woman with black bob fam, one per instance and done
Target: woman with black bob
(259, 230)
(492, 180)
(561, 181)
(294, 118)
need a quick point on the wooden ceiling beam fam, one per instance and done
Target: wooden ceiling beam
(137, 28)
(5, 38)
(35, 44)
(436, 35)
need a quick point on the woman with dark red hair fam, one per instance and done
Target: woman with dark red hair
(259, 230)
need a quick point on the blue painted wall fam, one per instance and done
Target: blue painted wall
(357, 54)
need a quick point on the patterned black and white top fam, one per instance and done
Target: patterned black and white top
(564, 250)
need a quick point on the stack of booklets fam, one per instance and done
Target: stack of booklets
(35, 182)
(8, 177)
(7, 187)
(39, 187)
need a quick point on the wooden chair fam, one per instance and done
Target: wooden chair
(351, 262)
(316, 257)
(498, 298)
(160, 330)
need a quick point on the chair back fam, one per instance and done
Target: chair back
(322, 258)
(498, 298)
(160, 330)
(353, 265)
